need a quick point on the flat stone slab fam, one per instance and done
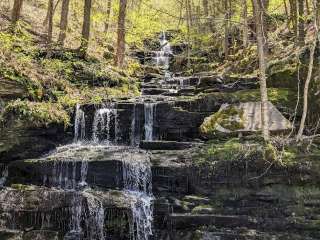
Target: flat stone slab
(45, 210)
(75, 166)
(165, 145)
(182, 221)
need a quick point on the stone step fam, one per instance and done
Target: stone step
(154, 91)
(72, 169)
(31, 208)
(183, 221)
(149, 85)
(166, 145)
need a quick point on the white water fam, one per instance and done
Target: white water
(86, 217)
(79, 124)
(149, 114)
(69, 171)
(95, 217)
(3, 174)
(162, 57)
(104, 120)
(135, 134)
(137, 179)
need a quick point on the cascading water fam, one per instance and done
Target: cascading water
(69, 170)
(149, 114)
(3, 174)
(162, 57)
(95, 218)
(105, 120)
(79, 125)
(137, 179)
(135, 133)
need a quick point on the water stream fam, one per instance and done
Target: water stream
(79, 124)
(105, 126)
(162, 57)
(149, 115)
(137, 179)
(3, 174)
(70, 164)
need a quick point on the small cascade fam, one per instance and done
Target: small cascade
(69, 171)
(149, 115)
(79, 125)
(95, 218)
(75, 231)
(105, 126)
(3, 174)
(137, 179)
(86, 217)
(65, 175)
(162, 57)
(135, 134)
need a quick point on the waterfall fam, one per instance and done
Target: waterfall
(79, 124)
(162, 57)
(69, 168)
(3, 174)
(86, 216)
(95, 217)
(104, 120)
(149, 112)
(76, 215)
(137, 179)
(135, 128)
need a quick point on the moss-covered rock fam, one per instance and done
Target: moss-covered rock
(228, 118)
(37, 113)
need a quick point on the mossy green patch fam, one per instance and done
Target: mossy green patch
(238, 150)
(22, 187)
(229, 118)
(37, 113)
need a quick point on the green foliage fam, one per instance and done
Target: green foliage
(32, 86)
(237, 150)
(37, 113)
(232, 150)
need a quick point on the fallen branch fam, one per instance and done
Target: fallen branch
(263, 174)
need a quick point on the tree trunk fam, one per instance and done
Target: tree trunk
(121, 44)
(245, 23)
(205, 7)
(108, 13)
(188, 13)
(50, 21)
(293, 15)
(86, 28)
(307, 7)
(45, 21)
(259, 16)
(64, 21)
(226, 29)
(16, 11)
(306, 93)
(300, 39)
(287, 13)
(309, 76)
(50, 28)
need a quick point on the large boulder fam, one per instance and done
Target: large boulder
(243, 118)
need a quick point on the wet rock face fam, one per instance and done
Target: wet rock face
(100, 167)
(223, 202)
(11, 90)
(169, 122)
(18, 140)
(47, 214)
